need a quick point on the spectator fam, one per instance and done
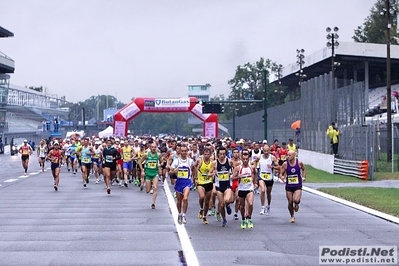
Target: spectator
(333, 133)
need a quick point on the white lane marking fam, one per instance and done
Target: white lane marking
(23, 176)
(10, 180)
(34, 173)
(353, 205)
(188, 249)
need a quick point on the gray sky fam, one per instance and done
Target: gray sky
(147, 48)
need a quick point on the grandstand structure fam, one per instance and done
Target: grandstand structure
(354, 62)
(24, 111)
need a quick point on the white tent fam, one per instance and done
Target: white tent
(109, 131)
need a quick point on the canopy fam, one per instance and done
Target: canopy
(109, 131)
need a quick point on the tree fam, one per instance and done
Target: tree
(248, 84)
(374, 26)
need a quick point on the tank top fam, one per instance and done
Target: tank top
(203, 171)
(255, 155)
(294, 178)
(265, 173)
(97, 152)
(55, 156)
(42, 151)
(246, 181)
(184, 167)
(25, 150)
(127, 153)
(222, 173)
(86, 158)
(283, 154)
(151, 164)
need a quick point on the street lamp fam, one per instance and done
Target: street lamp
(300, 62)
(388, 11)
(332, 37)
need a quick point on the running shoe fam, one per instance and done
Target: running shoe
(74, 172)
(250, 224)
(153, 206)
(25, 174)
(136, 182)
(292, 220)
(228, 209)
(141, 188)
(180, 219)
(184, 220)
(69, 169)
(108, 190)
(42, 169)
(224, 223)
(204, 220)
(243, 224)
(84, 184)
(126, 184)
(212, 212)
(262, 211)
(87, 180)
(218, 217)
(296, 207)
(235, 216)
(97, 181)
(267, 210)
(151, 191)
(201, 214)
(55, 188)
(195, 188)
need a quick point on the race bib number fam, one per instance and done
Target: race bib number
(223, 176)
(292, 179)
(283, 157)
(204, 178)
(25, 152)
(246, 180)
(126, 155)
(152, 165)
(54, 159)
(108, 159)
(266, 176)
(182, 173)
(86, 160)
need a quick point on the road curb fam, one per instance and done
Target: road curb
(359, 207)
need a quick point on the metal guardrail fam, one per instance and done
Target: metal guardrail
(357, 169)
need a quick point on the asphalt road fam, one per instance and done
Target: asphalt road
(85, 226)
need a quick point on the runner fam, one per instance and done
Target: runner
(236, 161)
(54, 156)
(246, 174)
(25, 150)
(127, 156)
(185, 170)
(85, 154)
(204, 183)
(265, 178)
(222, 166)
(42, 153)
(72, 157)
(97, 160)
(293, 173)
(110, 156)
(67, 153)
(151, 161)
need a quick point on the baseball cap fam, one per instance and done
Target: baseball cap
(291, 140)
(264, 142)
(233, 145)
(25, 140)
(122, 142)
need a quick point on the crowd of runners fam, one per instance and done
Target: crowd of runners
(225, 173)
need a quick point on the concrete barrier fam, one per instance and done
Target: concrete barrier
(317, 160)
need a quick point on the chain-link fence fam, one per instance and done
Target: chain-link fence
(318, 107)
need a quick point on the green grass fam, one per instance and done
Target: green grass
(382, 199)
(314, 175)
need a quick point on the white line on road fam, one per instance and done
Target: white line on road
(34, 173)
(188, 249)
(22, 176)
(10, 180)
(354, 205)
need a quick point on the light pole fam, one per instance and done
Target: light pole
(300, 62)
(265, 103)
(332, 43)
(388, 11)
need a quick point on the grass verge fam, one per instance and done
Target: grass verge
(382, 199)
(314, 175)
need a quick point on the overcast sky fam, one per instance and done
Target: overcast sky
(146, 48)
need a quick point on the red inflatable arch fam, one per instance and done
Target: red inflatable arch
(154, 105)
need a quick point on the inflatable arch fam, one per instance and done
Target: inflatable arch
(154, 105)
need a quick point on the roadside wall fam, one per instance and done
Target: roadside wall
(321, 161)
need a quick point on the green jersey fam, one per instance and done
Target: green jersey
(151, 165)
